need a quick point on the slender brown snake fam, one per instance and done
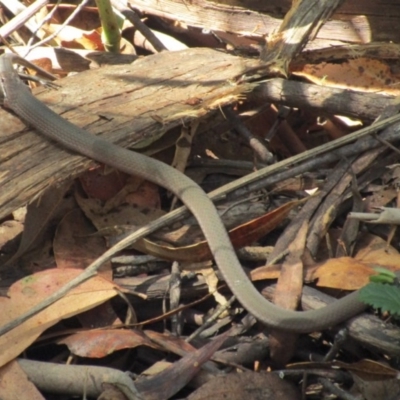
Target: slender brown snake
(19, 99)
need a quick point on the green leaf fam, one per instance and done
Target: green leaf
(385, 271)
(382, 278)
(384, 275)
(382, 296)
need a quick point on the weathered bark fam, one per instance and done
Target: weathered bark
(135, 104)
(323, 99)
(131, 105)
(353, 22)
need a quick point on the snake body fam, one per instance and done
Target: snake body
(19, 99)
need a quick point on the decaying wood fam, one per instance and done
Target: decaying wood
(386, 51)
(323, 99)
(131, 105)
(353, 22)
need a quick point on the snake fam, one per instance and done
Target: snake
(18, 98)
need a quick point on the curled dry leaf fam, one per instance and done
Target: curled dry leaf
(100, 343)
(240, 236)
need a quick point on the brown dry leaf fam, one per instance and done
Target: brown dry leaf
(16, 385)
(116, 188)
(344, 273)
(363, 74)
(100, 316)
(240, 236)
(44, 63)
(380, 198)
(373, 249)
(76, 246)
(156, 368)
(38, 218)
(246, 385)
(117, 212)
(287, 295)
(27, 292)
(101, 343)
(98, 184)
(146, 196)
(290, 284)
(74, 38)
(265, 272)
(369, 370)
(170, 343)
